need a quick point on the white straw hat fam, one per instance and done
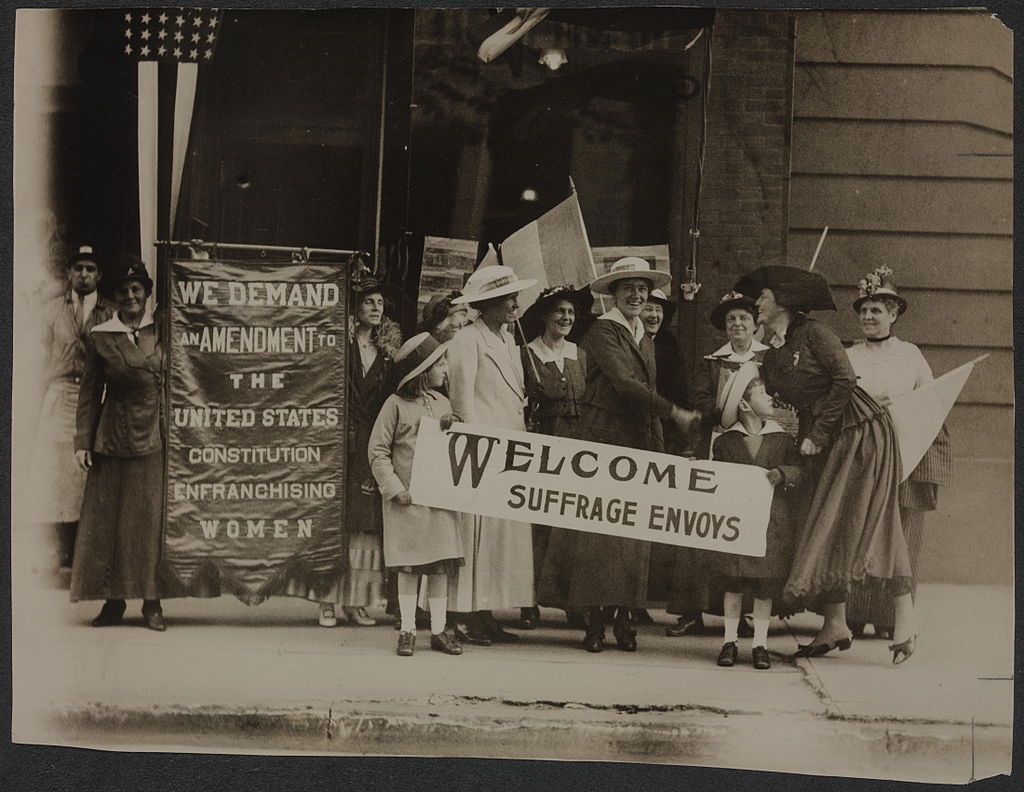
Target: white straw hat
(493, 280)
(630, 267)
(733, 392)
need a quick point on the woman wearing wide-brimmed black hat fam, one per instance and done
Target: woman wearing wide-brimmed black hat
(888, 367)
(853, 530)
(373, 341)
(556, 379)
(119, 441)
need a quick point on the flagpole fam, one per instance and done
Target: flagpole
(817, 250)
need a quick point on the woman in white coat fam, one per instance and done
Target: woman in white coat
(486, 386)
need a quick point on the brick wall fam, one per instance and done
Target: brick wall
(745, 198)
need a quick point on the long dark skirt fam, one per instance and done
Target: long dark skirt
(119, 534)
(872, 603)
(853, 531)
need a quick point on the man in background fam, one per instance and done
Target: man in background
(57, 480)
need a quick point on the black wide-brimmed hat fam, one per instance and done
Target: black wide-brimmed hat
(667, 305)
(796, 289)
(532, 320)
(131, 267)
(876, 285)
(731, 300)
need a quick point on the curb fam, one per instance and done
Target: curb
(949, 753)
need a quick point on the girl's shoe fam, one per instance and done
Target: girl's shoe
(901, 652)
(727, 657)
(443, 642)
(406, 643)
(327, 617)
(761, 659)
(358, 615)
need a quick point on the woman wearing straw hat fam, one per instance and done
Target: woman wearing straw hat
(622, 407)
(888, 368)
(852, 530)
(374, 340)
(119, 441)
(556, 379)
(486, 386)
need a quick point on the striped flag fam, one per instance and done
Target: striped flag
(168, 44)
(918, 416)
(553, 249)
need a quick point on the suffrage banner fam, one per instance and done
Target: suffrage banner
(256, 445)
(592, 487)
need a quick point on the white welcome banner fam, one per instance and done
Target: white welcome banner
(592, 487)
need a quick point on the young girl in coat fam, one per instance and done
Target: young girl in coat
(752, 438)
(418, 540)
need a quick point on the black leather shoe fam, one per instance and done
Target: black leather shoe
(625, 636)
(406, 644)
(154, 620)
(857, 629)
(727, 657)
(761, 658)
(529, 618)
(443, 642)
(686, 626)
(469, 635)
(494, 630)
(594, 641)
(110, 614)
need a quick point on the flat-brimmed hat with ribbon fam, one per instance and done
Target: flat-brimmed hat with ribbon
(490, 281)
(876, 285)
(796, 289)
(627, 268)
(131, 268)
(417, 355)
(731, 300)
(733, 391)
(84, 253)
(533, 318)
(667, 305)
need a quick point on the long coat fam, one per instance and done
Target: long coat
(414, 535)
(621, 407)
(486, 386)
(55, 472)
(119, 419)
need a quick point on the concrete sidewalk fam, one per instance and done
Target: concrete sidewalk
(269, 679)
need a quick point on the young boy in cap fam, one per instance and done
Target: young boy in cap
(753, 438)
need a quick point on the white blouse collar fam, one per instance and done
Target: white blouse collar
(636, 329)
(115, 325)
(546, 354)
(726, 352)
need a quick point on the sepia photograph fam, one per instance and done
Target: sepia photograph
(619, 385)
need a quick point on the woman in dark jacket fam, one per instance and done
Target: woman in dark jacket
(852, 530)
(622, 407)
(556, 378)
(373, 342)
(119, 441)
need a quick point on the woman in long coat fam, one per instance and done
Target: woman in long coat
(621, 407)
(119, 441)
(486, 386)
(887, 368)
(852, 530)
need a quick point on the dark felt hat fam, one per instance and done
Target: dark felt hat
(131, 267)
(533, 318)
(729, 301)
(667, 305)
(796, 289)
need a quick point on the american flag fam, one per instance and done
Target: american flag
(168, 45)
(182, 35)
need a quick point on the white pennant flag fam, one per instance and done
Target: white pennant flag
(918, 416)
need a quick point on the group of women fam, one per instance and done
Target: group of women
(617, 379)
